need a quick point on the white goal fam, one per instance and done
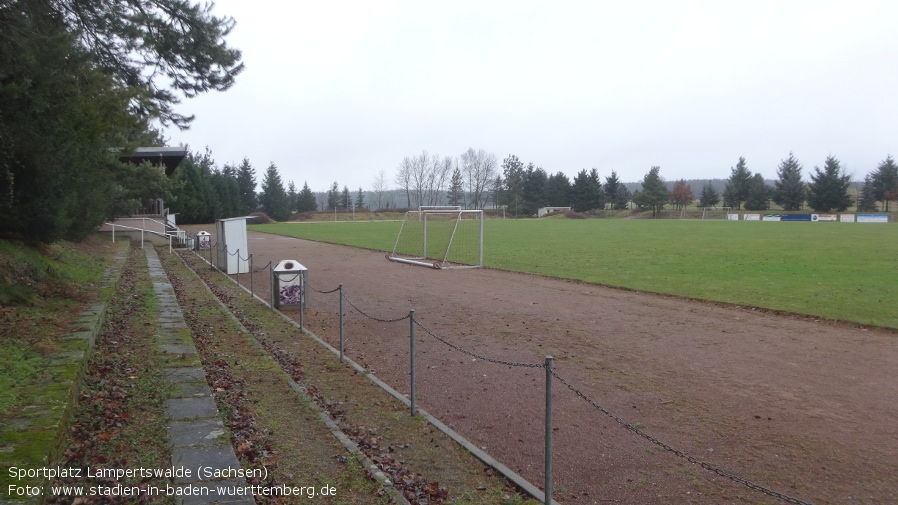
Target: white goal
(440, 237)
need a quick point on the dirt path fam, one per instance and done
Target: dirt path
(806, 408)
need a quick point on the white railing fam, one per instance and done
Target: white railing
(178, 235)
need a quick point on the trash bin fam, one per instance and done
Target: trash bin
(203, 241)
(288, 285)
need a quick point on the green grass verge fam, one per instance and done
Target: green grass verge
(840, 271)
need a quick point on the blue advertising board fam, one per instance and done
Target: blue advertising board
(795, 217)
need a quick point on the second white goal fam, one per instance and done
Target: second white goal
(440, 237)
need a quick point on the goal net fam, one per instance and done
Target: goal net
(440, 237)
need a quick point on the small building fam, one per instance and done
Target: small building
(542, 211)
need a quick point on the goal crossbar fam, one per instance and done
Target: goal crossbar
(440, 237)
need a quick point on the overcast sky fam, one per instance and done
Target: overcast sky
(336, 91)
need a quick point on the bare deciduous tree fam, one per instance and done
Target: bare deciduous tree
(404, 178)
(423, 178)
(479, 170)
(379, 187)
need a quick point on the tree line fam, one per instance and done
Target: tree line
(82, 83)
(203, 192)
(474, 181)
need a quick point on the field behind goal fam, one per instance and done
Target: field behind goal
(440, 237)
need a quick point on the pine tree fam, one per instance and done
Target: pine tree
(758, 194)
(273, 197)
(612, 187)
(866, 201)
(558, 189)
(228, 192)
(828, 190)
(885, 181)
(306, 199)
(345, 200)
(737, 188)
(581, 192)
(246, 181)
(709, 196)
(514, 175)
(456, 193)
(194, 198)
(333, 197)
(359, 199)
(789, 191)
(534, 190)
(654, 193)
(292, 197)
(622, 197)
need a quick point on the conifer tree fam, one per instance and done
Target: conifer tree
(273, 197)
(246, 182)
(885, 181)
(333, 197)
(456, 193)
(866, 201)
(709, 196)
(789, 191)
(828, 190)
(611, 189)
(654, 193)
(345, 199)
(307, 201)
(737, 187)
(758, 194)
(292, 197)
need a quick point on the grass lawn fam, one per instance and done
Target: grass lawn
(843, 271)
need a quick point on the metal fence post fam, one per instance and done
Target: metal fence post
(271, 273)
(251, 292)
(548, 469)
(238, 267)
(411, 332)
(340, 288)
(113, 233)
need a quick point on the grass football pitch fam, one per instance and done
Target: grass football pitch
(840, 271)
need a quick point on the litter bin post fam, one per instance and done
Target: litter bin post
(288, 285)
(203, 241)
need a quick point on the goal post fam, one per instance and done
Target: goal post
(440, 237)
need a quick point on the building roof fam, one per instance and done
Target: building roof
(170, 157)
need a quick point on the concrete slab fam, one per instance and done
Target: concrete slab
(191, 408)
(181, 374)
(220, 457)
(178, 348)
(197, 432)
(191, 389)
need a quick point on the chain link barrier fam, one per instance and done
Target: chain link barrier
(360, 311)
(474, 354)
(691, 459)
(323, 292)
